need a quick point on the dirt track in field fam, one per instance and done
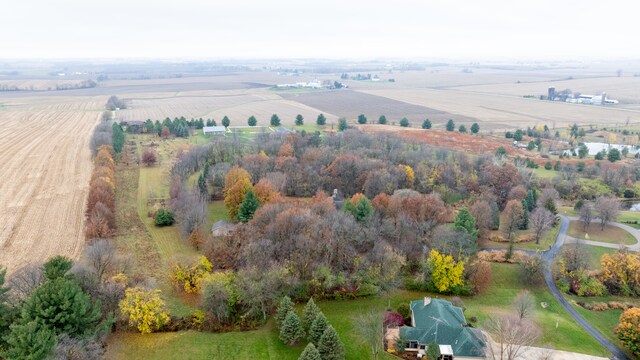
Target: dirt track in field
(45, 169)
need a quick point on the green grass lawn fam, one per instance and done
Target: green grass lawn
(264, 343)
(630, 216)
(543, 173)
(216, 211)
(595, 253)
(610, 234)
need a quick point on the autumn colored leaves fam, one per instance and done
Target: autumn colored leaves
(101, 202)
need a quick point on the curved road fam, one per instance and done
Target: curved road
(548, 257)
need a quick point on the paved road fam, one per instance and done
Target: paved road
(548, 256)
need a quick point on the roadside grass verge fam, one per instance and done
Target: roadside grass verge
(610, 234)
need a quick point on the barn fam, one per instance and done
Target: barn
(213, 130)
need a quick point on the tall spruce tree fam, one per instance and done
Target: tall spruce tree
(32, 340)
(309, 314)
(310, 353)
(330, 346)
(248, 207)
(291, 331)
(318, 327)
(284, 307)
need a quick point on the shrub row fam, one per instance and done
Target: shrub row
(101, 200)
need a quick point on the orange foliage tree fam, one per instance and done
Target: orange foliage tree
(101, 199)
(237, 183)
(628, 330)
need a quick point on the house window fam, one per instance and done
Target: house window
(413, 344)
(423, 347)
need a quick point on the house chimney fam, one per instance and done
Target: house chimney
(427, 300)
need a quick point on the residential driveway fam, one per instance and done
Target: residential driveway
(629, 229)
(548, 256)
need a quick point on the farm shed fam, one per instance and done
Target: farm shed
(213, 130)
(133, 127)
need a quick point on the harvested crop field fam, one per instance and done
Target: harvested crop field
(238, 105)
(46, 167)
(350, 104)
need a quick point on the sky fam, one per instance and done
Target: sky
(335, 29)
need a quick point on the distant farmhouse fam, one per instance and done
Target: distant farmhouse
(213, 130)
(315, 84)
(438, 321)
(568, 96)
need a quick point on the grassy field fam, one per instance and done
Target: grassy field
(545, 242)
(264, 343)
(610, 234)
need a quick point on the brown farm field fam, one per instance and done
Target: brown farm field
(46, 167)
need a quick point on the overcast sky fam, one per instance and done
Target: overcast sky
(319, 28)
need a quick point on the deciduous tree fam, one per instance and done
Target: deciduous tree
(237, 183)
(541, 220)
(446, 273)
(607, 209)
(513, 218)
(628, 330)
(144, 310)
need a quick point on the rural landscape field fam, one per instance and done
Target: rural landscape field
(331, 180)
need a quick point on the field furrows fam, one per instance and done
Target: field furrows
(44, 180)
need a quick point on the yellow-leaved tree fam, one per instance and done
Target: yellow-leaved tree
(189, 277)
(621, 270)
(144, 309)
(446, 273)
(237, 183)
(628, 330)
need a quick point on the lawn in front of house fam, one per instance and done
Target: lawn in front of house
(264, 343)
(610, 234)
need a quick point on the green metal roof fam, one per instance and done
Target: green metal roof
(444, 324)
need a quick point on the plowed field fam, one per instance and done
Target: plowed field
(45, 167)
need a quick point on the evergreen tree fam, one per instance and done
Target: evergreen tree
(362, 119)
(330, 346)
(309, 314)
(426, 124)
(202, 184)
(321, 120)
(117, 138)
(531, 199)
(495, 215)
(466, 222)
(613, 155)
(299, 120)
(291, 331)
(157, 127)
(284, 307)
(252, 121)
(450, 125)
(517, 135)
(525, 217)
(275, 120)
(225, 121)
(433, 351)
(462, 129)
(62, 306)
(6, 311)
(547, 165)
(382, 120)
(342, 124)
(475, 128)
(404, 122)
(318, 327)
(57, 267)
(310, 353)
(248, 207)
(556, 167)
(31, 341)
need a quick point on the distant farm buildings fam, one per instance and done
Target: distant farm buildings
(577, 98)
(213, 130)
(315, 84)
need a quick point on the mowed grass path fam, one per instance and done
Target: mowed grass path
(264, 343)
(611, 234)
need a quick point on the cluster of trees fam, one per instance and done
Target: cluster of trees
(451, 126)
(101, 222)
(114, 103)
(117, 137)
(102, 133)
(324, 343)
(619, 275)
(84, 84)
(604, 208)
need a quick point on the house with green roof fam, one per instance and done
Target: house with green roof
(438, 321)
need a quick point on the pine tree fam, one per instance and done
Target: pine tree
(225, 121)
(33, 341)
(318, 327)
(382, 120)
(291, 331)
(525, 217)
(404, 122)
(275, 120)
(62, 306)
(309, 314)
(531, 199)
(248, 207)
(475, 128)
(450, 125)
(310, 353)
(252, 121)
(6, 312)
(330, 346)
(321, 120)
(285, 306)
(299, 120)
(426, 124)
(465, 221)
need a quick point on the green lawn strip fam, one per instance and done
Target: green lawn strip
(610, 234)
(543, 173)
(216, 211)
(630, 216)
(595, 253)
